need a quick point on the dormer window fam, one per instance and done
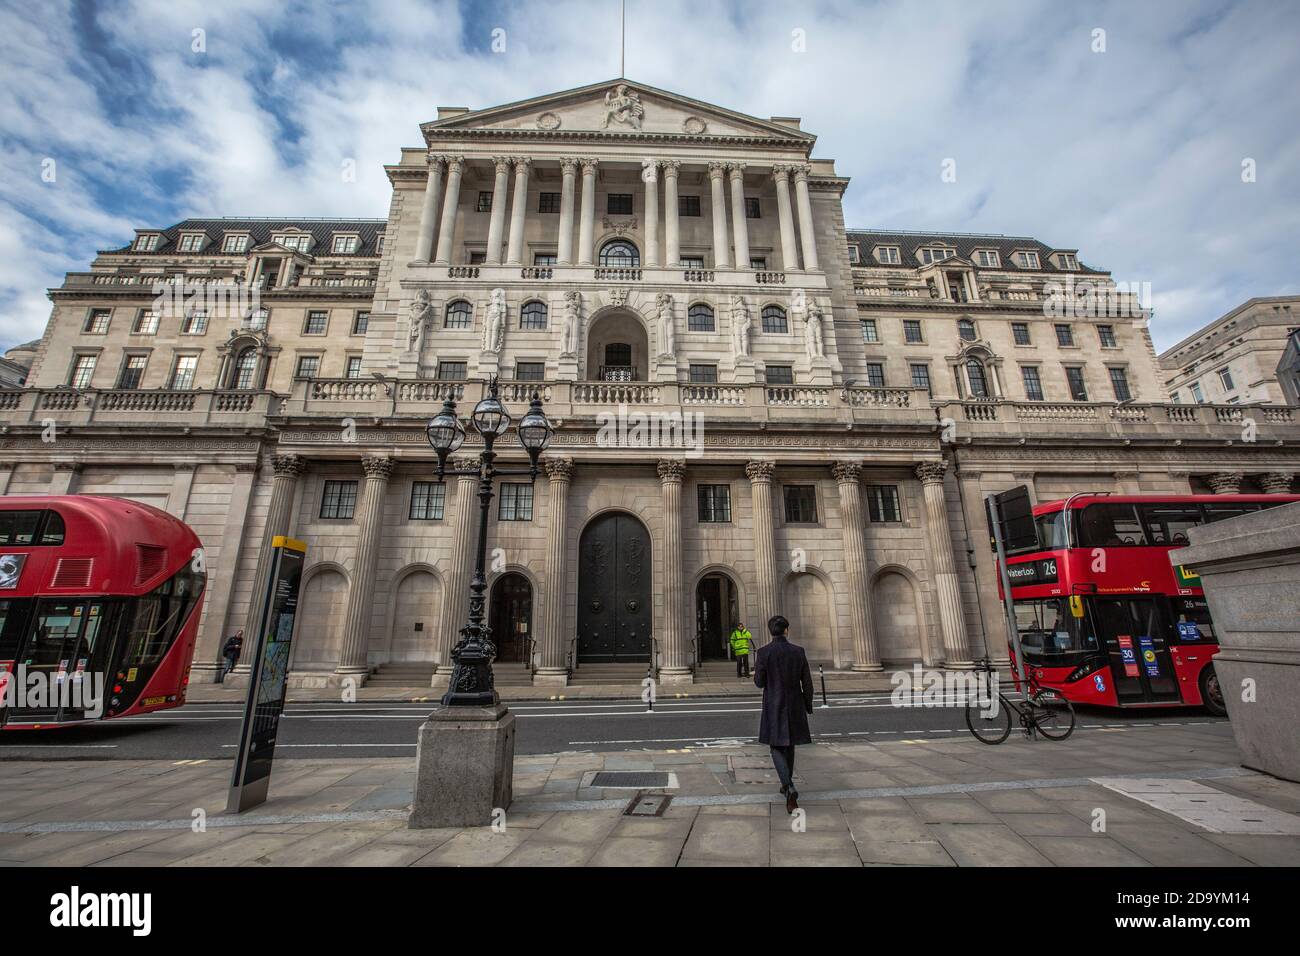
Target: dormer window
(379, 245)
(346, 245)
(888, 255)
(298, 243)
(147, 242)
(235, 243)
(1067, 260)
(191, 241)
(937, 254)
(988, 259)
(854, 255)
(1027, 260)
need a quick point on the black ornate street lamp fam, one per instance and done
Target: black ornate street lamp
(471, 675)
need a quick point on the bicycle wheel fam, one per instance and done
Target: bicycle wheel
(1054, 715)
(989, 730)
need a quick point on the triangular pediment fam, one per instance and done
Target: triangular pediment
(619, 107)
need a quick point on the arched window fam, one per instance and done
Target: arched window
(245, 368)
(774, 319)
(459, 315)
(533, 315)
(979, 386)
(699, 318)
(619, 254)
(966, 329)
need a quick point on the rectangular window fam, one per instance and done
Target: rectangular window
(346, 245)
(757, 263)
(1106, 334)
(132, 371)
(1033, 384)
(869, 331)
(715, 503)
(855, 254)
(1020, 332)
(936, 255)
(308, 366)
(1064, 336)
(921, 377)
(484, 201)
(692, 262)
(779, 375)
(1225, 379)
(235, 244)
(752, 209)
(1078, 390)
(530, 371)
(516, 502)
(548, 202)
(428, 499)
(800, 504)
(882, 503)
(889, 255)
(196, 323)
(1119, 382)
(353, 369)
(451, 371)
(338, 499)
(619, 204)
(545, 259)
(688, 205)
(1068, 261)
(1197, 395)
(297, 243)
(97, 322)
(146, 323)
(191, 242)
(912, 331)
(988, 258)
(477, 258)
(1027, 260)
(361, 323)
(183, 372)
(83, 369)
(875, 375)
(704, 374)
(146, 243)
(316, 324)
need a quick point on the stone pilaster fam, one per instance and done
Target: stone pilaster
(66, 474)
(1225, 482)
(721, 248)
(461, 568)
(759, 474)
(739, 224)
(650, 176)
(564, 242)
(515, 252)
(675, 666)
(429, 209)
(806, 232)
(450, 203)
(370, 522)
(587, 225)
(672, 232)
(789, 246)
(221, 577)
(286, 469)
(555, 647)
(497, 218)
(866, 654)
(1276, 482)
(952, 622)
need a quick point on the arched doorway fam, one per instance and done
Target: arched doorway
(417, 612)
(898, 628)
(323, 611)
(511, 616)
(614, 601)
(807, 607)
(618, 349)
(717, 611)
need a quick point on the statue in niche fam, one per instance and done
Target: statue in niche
(667, 328)
(419, 315)
(622, 106)
(812, 333)
(740, 325)
(572, 323)
(494, 329)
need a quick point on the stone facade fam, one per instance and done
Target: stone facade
(1239, 358)
(842, 400)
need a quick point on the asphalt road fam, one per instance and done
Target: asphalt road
(377, 729)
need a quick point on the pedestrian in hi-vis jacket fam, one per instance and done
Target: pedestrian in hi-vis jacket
(782, 671)
(741, 644)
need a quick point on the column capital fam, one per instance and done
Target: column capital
(377, 467)
(288, 466)
(1225, 482)
(931, 472)
(590, 166)
(671, 470)
(464, 462)
(502, 163)
(847, 472)
(522, 163)
(558, 469)
(569, 164)
(717, 170)
(434, 160)
(801, 171)
(671, 166)
(455, 164)
(760, 470)
(649, 170)
(781, 172)
(736, 170)
(1276, 482)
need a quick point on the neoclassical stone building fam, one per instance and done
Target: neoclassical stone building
(758, 409)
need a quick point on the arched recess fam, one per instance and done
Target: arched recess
(323, 606)
(806, 604)
(618, 347)
(415, 615)
(512, 613)
(719, 606)
(246, 359)
(615, 590)
(898, 617)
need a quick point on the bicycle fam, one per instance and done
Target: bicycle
(1043, 710)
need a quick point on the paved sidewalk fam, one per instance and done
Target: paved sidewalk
(939, 802)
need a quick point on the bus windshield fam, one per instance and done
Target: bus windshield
(1050, 635)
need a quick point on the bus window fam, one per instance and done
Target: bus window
(1050, 635)
(13, 625)
(53, 532)
(1217, 512)
(158, 617)
(18, 527)
(1168, 524)
(1051, 530)
(1192, 621)
(1110, 526)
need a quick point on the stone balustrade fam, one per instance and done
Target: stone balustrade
(138, 407)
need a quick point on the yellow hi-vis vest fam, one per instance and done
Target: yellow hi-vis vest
(740, 641)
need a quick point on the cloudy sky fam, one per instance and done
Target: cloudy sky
(1128, 145)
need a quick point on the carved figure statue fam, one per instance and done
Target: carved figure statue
(494, 329)
(623, 107)
(812, 333)
(421, 306)
(740, 325)
(667, 327)
(572, 322)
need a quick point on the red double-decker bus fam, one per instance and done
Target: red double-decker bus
(1103, 616)
(96, 594)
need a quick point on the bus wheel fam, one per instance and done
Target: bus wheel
(1212, 692)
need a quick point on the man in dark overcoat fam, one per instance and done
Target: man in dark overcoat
(782, 671)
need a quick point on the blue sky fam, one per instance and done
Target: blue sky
(1132, 155)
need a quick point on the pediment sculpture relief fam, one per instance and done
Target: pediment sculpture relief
(623, 107)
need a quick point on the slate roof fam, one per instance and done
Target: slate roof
(261, 230)
(964, 242)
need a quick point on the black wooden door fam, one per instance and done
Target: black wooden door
(614, 591)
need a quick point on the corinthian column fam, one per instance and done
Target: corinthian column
(721, 250)
(564, 242)
(587, 225)
(1275, 482)
(450, 202)
(286, 468)
(676, 666)
(866, 654)
(356, 633)
(952, 622)
(650, 174)
(515, 253)
(759, 474)
(789, 250)
(739, 224)
(805, 218)
(672, 250)
(553, 669)
(1225, 482)
(429, 209)
(456, 601)
(497, 221)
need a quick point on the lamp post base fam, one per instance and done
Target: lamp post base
(464, 763)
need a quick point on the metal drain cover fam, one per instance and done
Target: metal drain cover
(648, 805)
(630, 780)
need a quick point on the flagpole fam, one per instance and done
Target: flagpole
(622, 39)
